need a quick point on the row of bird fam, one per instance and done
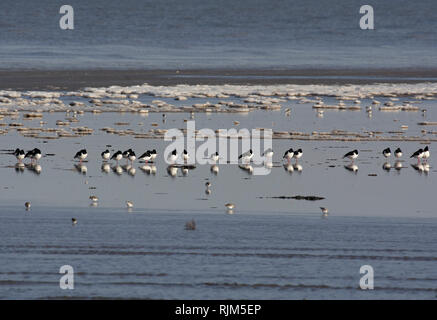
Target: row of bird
(150, 155)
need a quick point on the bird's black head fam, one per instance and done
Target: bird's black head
(250, 150)
(174, 152)
(426, 149)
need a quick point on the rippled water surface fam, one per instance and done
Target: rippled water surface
(217, 34)
(148, 254)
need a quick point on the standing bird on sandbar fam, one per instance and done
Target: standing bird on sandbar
(418, 155)
(154, 154)
(146, 156)
(268, 153)
(386, 152)
(352, 155)
(324, 211)
(132, 157)
(126, 155)
(215, 157)
(246, 156)
(19, 154)
(106, 155)
(298, 154)
(117, 156)
(185, 155)
(426, 154)
(289, 154)
(81, 155)
(398, 153)
(34, 155)
(173, 156)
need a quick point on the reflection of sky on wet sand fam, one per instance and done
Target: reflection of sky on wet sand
(399, 188)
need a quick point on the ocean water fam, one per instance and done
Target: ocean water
(147, 254)
(253, 34)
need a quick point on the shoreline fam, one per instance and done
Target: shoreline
(78, 79)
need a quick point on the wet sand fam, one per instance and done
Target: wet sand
(77, 79)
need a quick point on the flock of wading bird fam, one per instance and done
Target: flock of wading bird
(422, 156)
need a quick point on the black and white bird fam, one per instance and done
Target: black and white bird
(153, 154)
(268, 153)
(34, 155)
(215, 157)
(398, 153)
(146, 156)
(106, 155)
(19, 154)
(117, 156)
(426, 153)
(289, 154)
(386, 152)
(132, 157)
(418, 155)
(185, 155)
(173, 156)
(126, 154)
(246, 156)
(298, 154)
(325, 211)
(352, 155)
(81, 155)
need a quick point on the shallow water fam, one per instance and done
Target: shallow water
(147, 253)
(383, 218)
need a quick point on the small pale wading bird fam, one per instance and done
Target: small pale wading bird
(129, 204)
(230, 206)
(106, 155)
(27, 205)
(19, 154)
(324, 211)
(247, 156)
(418, 155)
(117, 156)
(386, 152)
(74, 221)
(94, 198)
(398, 153)
(352, 155)
(81, 155)
(289, 154)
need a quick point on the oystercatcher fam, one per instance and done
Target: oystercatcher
(386, 152)
(106, 155)
(352, 155)
(289, 154)
(246, 156)
(81, 155)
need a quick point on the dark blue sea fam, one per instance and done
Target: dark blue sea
(205, 34)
